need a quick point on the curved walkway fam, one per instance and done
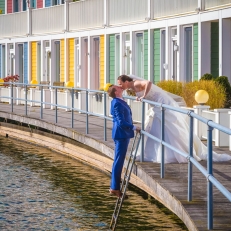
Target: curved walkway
(170, 191)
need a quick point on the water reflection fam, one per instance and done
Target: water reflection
(43, 190)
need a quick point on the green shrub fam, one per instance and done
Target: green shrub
(207, 76)
(216, 91)
(171, 86)
(224, 82)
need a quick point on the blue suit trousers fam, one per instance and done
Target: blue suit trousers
(121, 146)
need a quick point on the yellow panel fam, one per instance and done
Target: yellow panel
(33, 61)
(71, 46)
(62, 64)
(101, 58)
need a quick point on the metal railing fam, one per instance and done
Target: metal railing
(211, 180)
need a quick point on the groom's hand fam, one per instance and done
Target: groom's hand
(138, 129)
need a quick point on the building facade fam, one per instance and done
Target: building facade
(91, 42)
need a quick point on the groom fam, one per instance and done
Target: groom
(123, 130)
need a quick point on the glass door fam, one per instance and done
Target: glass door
(77, 64)
(163, 55)
(117, 56)
(188, 54)
(57, 61)
(96, 63)
(3, 58)
(20, 63)
(139, 67)
(127, 55)
(84, 63)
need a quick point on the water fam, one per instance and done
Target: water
(43, 190)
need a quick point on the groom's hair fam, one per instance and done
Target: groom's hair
(111, 91)
(124, 78)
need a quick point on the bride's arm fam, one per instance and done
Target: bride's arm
(146, 86)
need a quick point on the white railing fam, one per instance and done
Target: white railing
(215, 3)
(13, 24)
(48, 20)
(165, 8)
(221, 117)
(121, 11)
(86, 14)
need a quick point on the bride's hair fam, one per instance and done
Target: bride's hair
(124, 78)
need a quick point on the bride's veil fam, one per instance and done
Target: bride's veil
(180, 101)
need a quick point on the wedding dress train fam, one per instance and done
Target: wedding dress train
(176, 132)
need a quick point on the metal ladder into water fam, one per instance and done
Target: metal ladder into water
(125, 182)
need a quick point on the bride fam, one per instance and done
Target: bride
(176, 127)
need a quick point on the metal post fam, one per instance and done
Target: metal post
(72, 106)
(56, 102)
(142, 135)
(210, 172)
(26, 99)
(12, 95)
(41, 109)
(105, 114)
(190, 166)
(87, 129)
(162, 139)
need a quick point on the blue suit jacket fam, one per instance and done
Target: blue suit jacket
(122, 120)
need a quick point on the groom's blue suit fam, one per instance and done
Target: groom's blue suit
(121, 133)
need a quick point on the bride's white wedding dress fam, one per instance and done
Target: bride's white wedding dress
(176, 132)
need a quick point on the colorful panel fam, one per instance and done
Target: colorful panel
(71, 46)
(2, 6)
(47, 3)
(33, 60)
(9, 6)
(39, 3)
(156, 55)
(1, 61)
(112, 58)
(101, 65)
(25, 62)
(24, 5)
(146, 55)
(195, 51)
(62, 63)
(215, 49)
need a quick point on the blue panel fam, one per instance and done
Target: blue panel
(25, 63)
(24, 5)
(1, 61)
(15, 6)
(47, 3)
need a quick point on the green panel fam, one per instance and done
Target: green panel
(146, 55)
(215, 49)
(2, 6)
(112, 58)
(156, 55)
(195, 51)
